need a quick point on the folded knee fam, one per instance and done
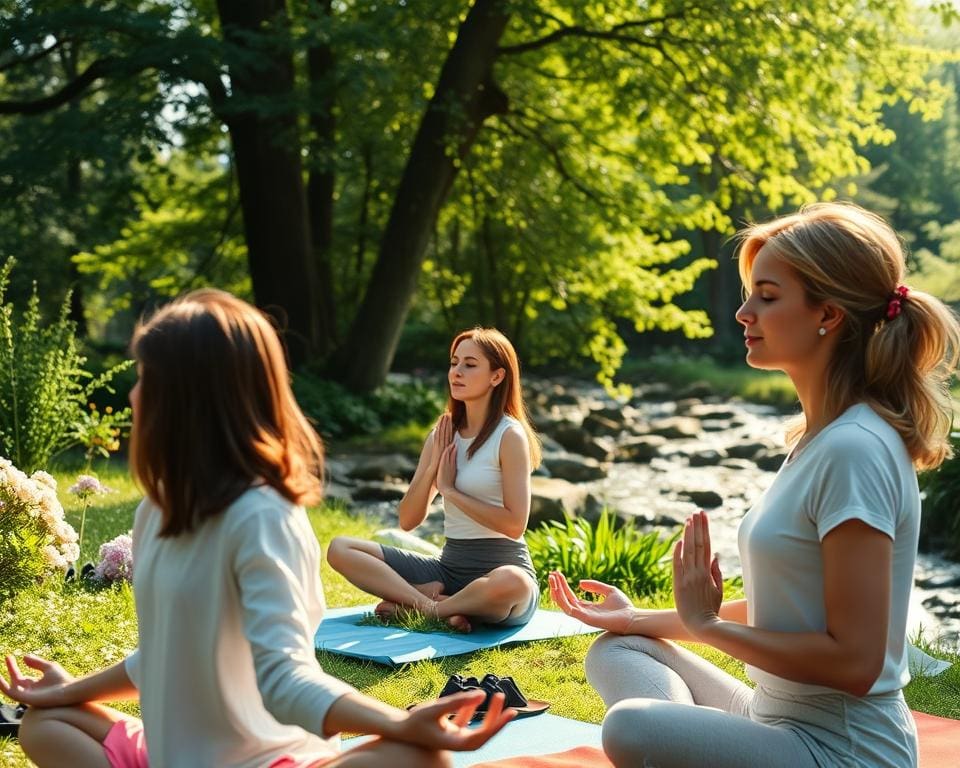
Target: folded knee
(624, 733)
(511, 583)
(607, 653)
(336, 550)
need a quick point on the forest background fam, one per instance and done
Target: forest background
(382, 173)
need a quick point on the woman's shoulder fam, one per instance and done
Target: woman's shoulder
(860, 432)
(261, 501)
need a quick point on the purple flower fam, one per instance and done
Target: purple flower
(116, 560)
(87, 486)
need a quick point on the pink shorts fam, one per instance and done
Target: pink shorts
(125, 746)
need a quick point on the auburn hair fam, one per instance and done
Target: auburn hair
(506, 397)
(901, 366)
(216, 413)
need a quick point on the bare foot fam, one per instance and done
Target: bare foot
(459, 623)
(385, 610)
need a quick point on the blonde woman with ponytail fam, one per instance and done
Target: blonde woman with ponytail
(828, 551)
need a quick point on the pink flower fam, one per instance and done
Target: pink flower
(87, 486)
(116, 560)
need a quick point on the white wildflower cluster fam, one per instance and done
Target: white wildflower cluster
(36, 497)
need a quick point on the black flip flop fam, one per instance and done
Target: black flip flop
(10, 717)
(491, 684)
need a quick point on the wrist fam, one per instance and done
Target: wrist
(708, 628)
(394, 724)
(632, 623)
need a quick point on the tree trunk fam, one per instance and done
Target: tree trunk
(266, 149)
(320, 188)
(73, 183)
(465, 96)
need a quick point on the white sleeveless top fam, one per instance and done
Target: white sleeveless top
(479, 477)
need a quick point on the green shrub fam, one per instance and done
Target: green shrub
(618, 554)
(35, 540)
(44, 386)
(940, 521)
(337, 412)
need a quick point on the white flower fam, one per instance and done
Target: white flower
(43, 478)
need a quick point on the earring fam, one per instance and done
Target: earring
(822, 331)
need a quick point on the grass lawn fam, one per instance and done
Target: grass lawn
(86, 630)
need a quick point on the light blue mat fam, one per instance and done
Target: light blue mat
(540, 735)
(340, 632)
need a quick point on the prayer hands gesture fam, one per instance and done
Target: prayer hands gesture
(442, 436)
(428, 724)
(444, 468)
(697, 583)
(614, 613)
(447, 471)
(43, 692)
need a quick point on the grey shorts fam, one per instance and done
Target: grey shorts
(463, 561)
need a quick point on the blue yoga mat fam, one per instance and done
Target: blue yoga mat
(540, 735)
(340, 632)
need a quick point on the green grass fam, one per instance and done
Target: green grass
(739, 380)
(88, 629)
(400, 438)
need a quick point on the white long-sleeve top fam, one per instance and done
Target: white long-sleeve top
(225, 666)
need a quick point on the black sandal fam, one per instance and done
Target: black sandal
(10, 717)
(491, 684)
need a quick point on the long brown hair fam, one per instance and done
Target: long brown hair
(216, 413)
(901, 366)
(506, 397)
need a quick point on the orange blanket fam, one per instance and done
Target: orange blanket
(939, 741)
(581, 757)
(939, 748)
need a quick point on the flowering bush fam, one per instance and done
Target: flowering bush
(35, 539)
(116, 560)
(45, 386)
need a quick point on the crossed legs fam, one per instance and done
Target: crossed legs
(68, 735)
(670, 708)
(502, 594)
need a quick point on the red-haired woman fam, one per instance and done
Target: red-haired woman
(226, 581)
(479, 458)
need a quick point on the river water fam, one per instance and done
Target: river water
(658, 489)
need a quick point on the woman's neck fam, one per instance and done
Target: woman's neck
(475, 414)
(812, 392)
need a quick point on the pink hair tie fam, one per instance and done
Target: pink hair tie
(895, 305)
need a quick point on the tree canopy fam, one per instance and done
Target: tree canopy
(566, 170)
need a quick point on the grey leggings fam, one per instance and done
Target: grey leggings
(669, 707)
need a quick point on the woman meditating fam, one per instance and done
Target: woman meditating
(828, 551)
(479, 458)
(226, 580)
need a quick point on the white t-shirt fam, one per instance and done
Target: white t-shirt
(226, 666)
(855, 468)
(481, 478)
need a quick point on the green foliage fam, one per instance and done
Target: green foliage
(35, 540)
(337, 412)
(44, 386)
(618, 554)
(940, 521)
(739, 380)
(187, 234)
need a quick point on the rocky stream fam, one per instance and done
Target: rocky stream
(655, 459)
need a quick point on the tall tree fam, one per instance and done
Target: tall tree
(585, 127)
